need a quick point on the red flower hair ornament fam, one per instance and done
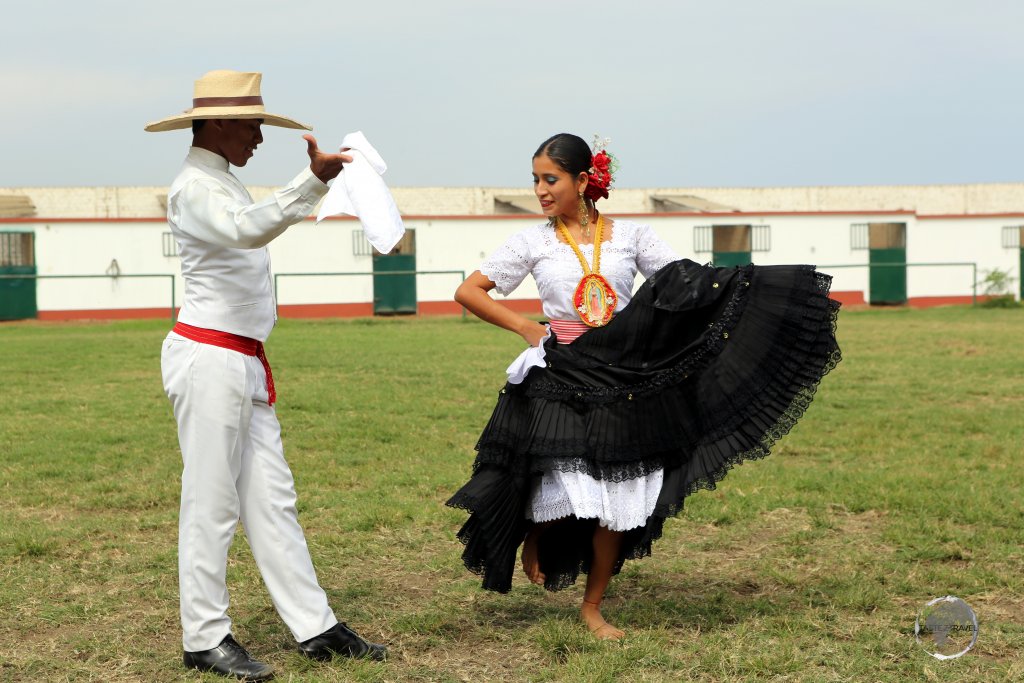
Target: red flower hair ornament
(602, 168)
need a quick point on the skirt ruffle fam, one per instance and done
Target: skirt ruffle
(705, 368)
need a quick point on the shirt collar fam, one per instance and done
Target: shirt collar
(205, 157)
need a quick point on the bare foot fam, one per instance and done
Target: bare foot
(602, 630)
(530, 557)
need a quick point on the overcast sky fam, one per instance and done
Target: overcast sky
(460, 92)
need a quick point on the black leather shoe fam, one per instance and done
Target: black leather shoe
(341, 640)
(229, 659)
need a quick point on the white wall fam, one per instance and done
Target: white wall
(978, 240)
(813, 239)
(324, 248)
(462, 243)
(89, 249)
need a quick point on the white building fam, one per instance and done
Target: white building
(938, 241)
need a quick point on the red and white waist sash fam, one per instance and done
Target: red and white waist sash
(566, 331)
(233, 342)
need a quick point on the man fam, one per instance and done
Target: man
(221, 387)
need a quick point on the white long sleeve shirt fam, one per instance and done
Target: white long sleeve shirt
(222, 236)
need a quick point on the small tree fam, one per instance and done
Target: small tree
(998, 287)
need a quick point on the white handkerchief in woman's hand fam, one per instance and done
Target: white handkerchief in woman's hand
(532, 357)
(360, 191)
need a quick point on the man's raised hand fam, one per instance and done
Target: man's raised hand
(324, 166)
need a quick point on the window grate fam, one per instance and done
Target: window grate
(170, 245)
(17, 249)
(1012, 236)
(761, 238)
(860, 236)
(703, 239)
(360, 245)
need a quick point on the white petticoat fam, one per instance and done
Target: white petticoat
(618, 505)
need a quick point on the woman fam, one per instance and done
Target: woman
(642, 399)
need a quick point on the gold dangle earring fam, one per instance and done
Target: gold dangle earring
(584, 217)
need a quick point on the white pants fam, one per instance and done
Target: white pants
(234, 467)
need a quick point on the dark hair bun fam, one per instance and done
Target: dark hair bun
(573, 156)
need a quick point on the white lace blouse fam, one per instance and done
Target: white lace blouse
(632, 247)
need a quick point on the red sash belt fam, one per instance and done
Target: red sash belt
(568, 330)
(234, 342)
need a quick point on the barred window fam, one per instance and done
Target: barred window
(703, 238)
(170, 245)
(1013, 236)
(360, 245)
(761, 238)
(17, 249)
(859, 233)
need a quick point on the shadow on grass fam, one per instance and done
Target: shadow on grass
(647, 602)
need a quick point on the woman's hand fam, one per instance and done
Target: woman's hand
(533, 333)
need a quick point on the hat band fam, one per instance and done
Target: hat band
(226, 101)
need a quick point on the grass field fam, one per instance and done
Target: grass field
(902, 484)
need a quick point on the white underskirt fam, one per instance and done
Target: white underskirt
(618, 505)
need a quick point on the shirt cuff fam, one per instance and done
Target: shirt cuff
(309, 185)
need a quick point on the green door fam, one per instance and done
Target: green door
(731, 245)
(17, 294)
(1020, 272)
(887, 284)
(396, 294)
(731, 258)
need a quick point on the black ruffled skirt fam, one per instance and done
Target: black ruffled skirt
(705, 368)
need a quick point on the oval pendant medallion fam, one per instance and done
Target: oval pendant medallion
(594, 300)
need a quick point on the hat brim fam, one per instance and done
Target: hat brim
(185, 119)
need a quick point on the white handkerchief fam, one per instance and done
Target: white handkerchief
(360, 191)
(533, 357)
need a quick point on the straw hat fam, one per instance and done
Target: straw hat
(225, 95)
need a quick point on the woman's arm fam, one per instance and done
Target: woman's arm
(652, 252)
(473, 294)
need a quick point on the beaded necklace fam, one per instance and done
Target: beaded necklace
(594, 299)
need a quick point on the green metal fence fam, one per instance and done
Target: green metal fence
(967, 264)
(103, 277)
(277, 276)
(462, 276)
(370, 273)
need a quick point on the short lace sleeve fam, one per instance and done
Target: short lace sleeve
(652, 252)
(509, 265)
